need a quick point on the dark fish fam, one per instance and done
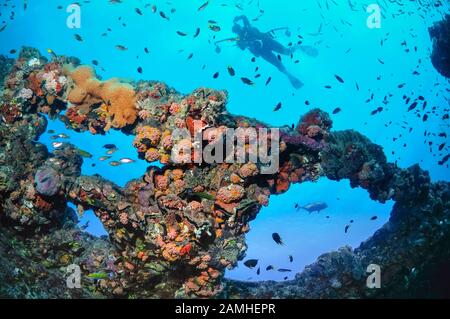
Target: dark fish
(336, 110)
(268, 80)
(296, 205)
(231, 70)
(291, 259)
(216, 75)
(380, 61)
(78, 37)
(109, 146)
(247, 81)
(339, 78)
(163, 15)
(12, 51)
(218, 49)
(441, 147)
(315, 207)
(197, 32)
(258, 271)
(121, 47)
(86, 225)
(214, 28)
(146, 50)
(251, 263)
(180, 33)
(412, 106)
(203, 6)
(276, 237)
(139, 69)
(284, 270)
(277, 107)
(444, 159)
(346, 228)
(138, 11)
(373, 217)
(95, 62)
(270, 267)
(190, 56)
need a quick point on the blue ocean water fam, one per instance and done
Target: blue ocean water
(375, 60)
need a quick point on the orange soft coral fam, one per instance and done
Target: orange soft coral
(122, 101)
(119, 97)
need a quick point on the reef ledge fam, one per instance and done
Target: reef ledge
(174, 231)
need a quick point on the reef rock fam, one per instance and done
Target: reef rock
(174, 231)
(440, 56)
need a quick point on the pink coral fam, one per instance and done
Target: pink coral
(172, 233)
(230, 193)
(161, 182)
(151, 135)
(174, 108)
(195, 206)
(152, 155)
(313, 131)
(167, 142)
(249, 169)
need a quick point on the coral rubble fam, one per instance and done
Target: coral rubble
(174, 231)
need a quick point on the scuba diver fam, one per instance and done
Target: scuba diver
(264, 45)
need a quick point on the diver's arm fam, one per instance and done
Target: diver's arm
(244, 20)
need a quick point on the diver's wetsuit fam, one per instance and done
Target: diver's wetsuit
(262, 45)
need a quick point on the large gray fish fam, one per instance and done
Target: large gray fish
(314, 207)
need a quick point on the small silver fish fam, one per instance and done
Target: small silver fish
(62, 135)
(121, 47)
(126, 160)
(57, 144)
(114, 163)
(111, 151)
(54, 161)
(104, 158)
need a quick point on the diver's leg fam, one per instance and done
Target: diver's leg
(276, 46)
(272, 59)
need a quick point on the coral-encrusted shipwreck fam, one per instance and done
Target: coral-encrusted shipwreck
(173, 232)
